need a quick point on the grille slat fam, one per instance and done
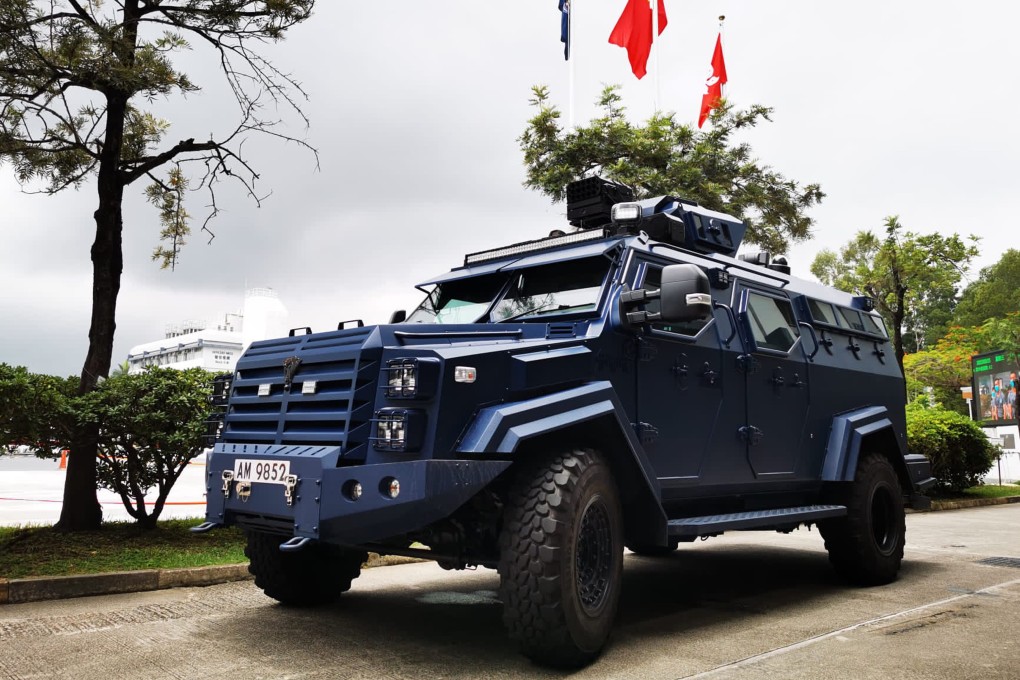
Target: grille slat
(345, 383)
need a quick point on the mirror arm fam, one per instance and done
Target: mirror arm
(635, 297)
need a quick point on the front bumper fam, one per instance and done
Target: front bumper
(317, 506)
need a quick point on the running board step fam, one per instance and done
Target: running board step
(756, 519)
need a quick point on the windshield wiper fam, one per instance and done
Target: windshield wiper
(539, 308)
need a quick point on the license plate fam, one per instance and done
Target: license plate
(267, 471)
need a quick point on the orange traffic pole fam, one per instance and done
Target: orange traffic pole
(63, 459)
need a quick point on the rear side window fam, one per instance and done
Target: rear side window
(853, 319)
(822, 312)
(874, 324)
(773, 324)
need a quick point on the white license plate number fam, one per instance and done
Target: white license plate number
(266, 471)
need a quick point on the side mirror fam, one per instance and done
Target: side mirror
(398, 316)
(685, 294)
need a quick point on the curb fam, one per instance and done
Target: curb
(973, 503)
(34, 589)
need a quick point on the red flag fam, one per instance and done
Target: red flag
(634, 32)
(713, 86)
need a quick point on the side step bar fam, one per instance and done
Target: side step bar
(756, 519)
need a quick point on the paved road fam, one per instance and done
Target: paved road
(739, 606)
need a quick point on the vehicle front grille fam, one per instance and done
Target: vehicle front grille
(337, 413)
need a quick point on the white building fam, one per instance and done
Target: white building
(195, 344)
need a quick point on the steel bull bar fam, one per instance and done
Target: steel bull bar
(299, 491)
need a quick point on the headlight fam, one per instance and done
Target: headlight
(399, 429)
(411, 378)
(403, 381)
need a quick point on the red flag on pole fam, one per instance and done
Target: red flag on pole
(633, 31)
(713, 86)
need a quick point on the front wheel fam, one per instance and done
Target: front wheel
(866, 546)
(561, 558)
(317, 574)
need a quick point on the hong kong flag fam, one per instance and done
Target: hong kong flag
(634, 32)
(713, 86)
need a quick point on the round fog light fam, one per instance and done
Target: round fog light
(393, 489)
(352, 489)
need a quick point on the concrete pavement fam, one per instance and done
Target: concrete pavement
(740, 606)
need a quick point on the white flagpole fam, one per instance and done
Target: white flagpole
(722, 18)
(655, 53)
(570, 62)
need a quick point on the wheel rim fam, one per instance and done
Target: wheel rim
(594, 560)
(883, 515)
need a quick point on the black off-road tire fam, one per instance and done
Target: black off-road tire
(561, 558)
(317, 574)
(866, 546)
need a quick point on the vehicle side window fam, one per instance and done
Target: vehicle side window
(875, 325)
(772, 322)
(822, 311)
(653, 281)
(853, 319)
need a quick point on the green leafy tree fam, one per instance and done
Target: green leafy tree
(667, 157)
(945, 367)
(911, 277)
(73, 77)
(35, 410)
(995, 294)
(150, 425)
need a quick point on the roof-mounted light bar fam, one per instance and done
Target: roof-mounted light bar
(532, 246)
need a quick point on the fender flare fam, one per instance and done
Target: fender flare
(848, 432)
(500, 430)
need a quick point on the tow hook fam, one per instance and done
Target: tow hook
(227, 475)
(295, 544)
(290, 482)
(244, 491)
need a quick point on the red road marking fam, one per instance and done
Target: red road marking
(45, 500)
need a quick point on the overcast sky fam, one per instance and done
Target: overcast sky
(907, 108)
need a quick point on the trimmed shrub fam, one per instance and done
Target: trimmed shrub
(150, 425)
(957, 447)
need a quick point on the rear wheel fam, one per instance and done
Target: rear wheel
(561, 558)
(317, 574)
(866, 546)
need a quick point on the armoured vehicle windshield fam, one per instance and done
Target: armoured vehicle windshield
(537, 292)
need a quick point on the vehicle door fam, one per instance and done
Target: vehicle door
(679, 391)
(776, 379)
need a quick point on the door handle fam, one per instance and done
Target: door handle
(814, 339)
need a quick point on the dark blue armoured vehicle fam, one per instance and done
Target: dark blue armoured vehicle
(631, 383)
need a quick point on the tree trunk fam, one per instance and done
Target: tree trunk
(81, 510)
(898, 317)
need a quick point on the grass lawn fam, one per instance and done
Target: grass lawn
(992, 491)
(118, 546)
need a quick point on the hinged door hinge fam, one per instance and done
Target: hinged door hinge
(751, 434)
(747, 364)
(647, 433)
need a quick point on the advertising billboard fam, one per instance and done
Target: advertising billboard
(995, 386)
